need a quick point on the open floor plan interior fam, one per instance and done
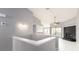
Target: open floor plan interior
(39, 29)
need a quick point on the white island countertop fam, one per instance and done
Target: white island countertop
(33, 42)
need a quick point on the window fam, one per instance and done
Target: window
(47, 31)
(56, 32)
(39, 29)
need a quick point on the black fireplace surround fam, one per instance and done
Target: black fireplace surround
(70, 33)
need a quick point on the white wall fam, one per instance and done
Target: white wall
(70, 22)
(77, 22)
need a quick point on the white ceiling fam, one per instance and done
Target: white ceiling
(46, 15)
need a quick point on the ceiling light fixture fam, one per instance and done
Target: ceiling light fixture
(55, 23)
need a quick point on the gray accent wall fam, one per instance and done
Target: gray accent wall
(14, 16)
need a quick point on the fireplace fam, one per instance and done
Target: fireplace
(70, 33)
